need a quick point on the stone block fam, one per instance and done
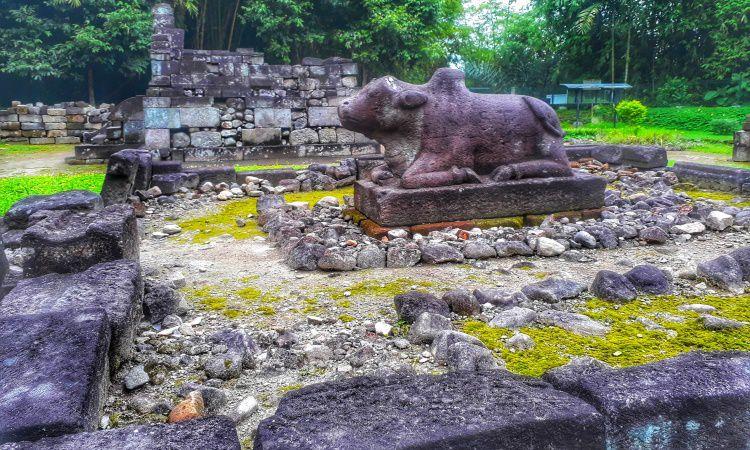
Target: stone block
(214, 433)
(28, 118)
(68, 140)
(55, 126)
(32, 126)
(157, 102)
(712, 177)
(56, 111)
(303, 136)
(214, 174)
(170, 183)
(273, 118)
(162, 167)
(323, 116)
(18, 215)
(54, 376)
(696, 400)
(119, 182)
(53, 119)
(262, 136)
(492, 409)
(202, 117)
(156, 139)
(4, 267)
(41, 141)
(72, 241)
(206, 139)
(56, 133)
(116, 287)
(155, 118)
(389, 206)
(213, 154)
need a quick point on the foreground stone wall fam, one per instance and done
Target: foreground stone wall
(222, 105)
(61, 123)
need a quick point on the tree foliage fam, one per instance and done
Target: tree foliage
(72, 39)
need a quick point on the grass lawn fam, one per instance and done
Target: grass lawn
(13, 189)
(17, 149)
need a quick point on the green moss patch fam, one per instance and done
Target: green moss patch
(504, 222)
(233, 304)
(702, 194)
(629, 343)
(13, 189)
(224, 222)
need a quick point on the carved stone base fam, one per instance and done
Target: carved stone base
(396, 207)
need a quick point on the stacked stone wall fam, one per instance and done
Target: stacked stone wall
(222, 105)
(62, 123)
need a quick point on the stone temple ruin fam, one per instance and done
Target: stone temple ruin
(215, 105)
(89, 322)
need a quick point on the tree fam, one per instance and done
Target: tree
(74, 39)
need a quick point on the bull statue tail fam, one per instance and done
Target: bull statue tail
(546, 116)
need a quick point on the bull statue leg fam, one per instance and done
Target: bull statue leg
(553, 162)
(429, 170)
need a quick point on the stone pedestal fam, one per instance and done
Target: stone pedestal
(741, 151)
(396, 207)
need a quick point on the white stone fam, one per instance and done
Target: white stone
(697, 307)
(225, 195)
(520, 341)
(689, 228)
(398, 233)
(328, 201)
(171, 229)
(549, 247)
(719, 221)
(244, 409)
(383, 328)
(237, 192)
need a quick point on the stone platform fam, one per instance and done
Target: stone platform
(396, 207)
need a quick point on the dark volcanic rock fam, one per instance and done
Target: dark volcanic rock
(742, 256)
(214, 433)
(116, 287)
(492, 409)
(462, 302)
(649, 279)
(159, 302)
(304, 255)
(239, 343)
(724, 272)
(53, 376)
(552, 290)
(269, 201)
(440, 254)
(499, 297)
(71, 241)
(410, 305)
(612, 286)
(123, 169)
(18, 215)
(4, 266)
(170, 183)
(696, 400)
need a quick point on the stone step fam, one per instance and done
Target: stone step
(696, 400)
(116, 287)
(493, 409)
(18, 215)
(53, 375)
(215, 433)
(640, 156)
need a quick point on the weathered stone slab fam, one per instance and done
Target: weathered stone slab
(273, 118)
(713, 177)
(696, 400)
(53, 376)
(91, 151)
(119, 183)
(19, 213)
(162, 167)
(205, 139)
(214, 433)
(214, 174)
(272, 175)
(640, 156)
(492, 409)
(388, 206)
(169, 183)
(116, 287)
(213, 153)
(73, 241)
(4, 266)
(323, 116)
(262, 136)
(206, 117)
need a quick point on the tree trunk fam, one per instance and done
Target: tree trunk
(612, 51)
(90, 76)
(234, 23)
(627, 58)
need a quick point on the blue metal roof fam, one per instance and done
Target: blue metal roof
(595, 86)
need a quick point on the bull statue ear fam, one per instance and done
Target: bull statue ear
(410, 99)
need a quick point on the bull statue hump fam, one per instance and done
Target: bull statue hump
(441, 134)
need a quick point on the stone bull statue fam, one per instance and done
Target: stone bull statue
(457, 136)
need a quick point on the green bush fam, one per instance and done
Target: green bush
(697, 118)
(632, 112)
(724, 126)
(674, 91)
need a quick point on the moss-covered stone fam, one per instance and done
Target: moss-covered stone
(224, 222)
(629, 341)
(704, 194)
(502, 222)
